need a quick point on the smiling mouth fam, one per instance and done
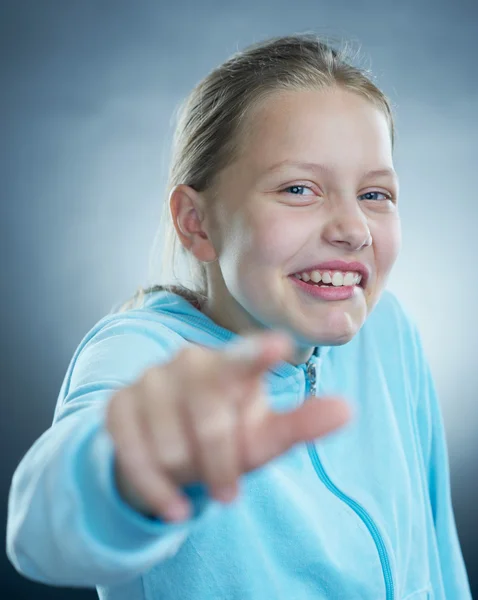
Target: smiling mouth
(328, 292)
(357, 281)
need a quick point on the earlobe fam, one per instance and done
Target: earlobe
(187, 214)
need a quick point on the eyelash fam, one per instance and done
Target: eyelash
(388, 196)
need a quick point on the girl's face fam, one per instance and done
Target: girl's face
(302, 192)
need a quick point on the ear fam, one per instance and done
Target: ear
(187, 212)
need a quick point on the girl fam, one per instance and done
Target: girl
(188, 456)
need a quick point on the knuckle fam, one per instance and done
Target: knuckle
(152, 375)
(131, 457)
(185, 351)
(133, 468)
(214, 427)
(115, 410)
(193, 357)
(190, 356)
(152, 378)
(172, 457)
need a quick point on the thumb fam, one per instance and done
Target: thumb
(254, 353)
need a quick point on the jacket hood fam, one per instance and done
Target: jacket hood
(190, 323)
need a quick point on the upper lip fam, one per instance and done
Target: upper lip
(340, 265)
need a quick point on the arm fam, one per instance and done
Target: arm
(67, 523)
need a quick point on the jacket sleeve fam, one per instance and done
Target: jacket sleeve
(67, 524)
(434, 445)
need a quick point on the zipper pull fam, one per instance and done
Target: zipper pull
(311, 374)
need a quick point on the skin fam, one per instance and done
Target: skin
(257, 231)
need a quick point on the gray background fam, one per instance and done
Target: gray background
(87, 93)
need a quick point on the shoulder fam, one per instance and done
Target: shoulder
(391, 311)
(392, 320)
(142, 323)
(120, 346)
(394, 328)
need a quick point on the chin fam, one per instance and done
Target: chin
(338, 341)
(325, 338)
(337, 334)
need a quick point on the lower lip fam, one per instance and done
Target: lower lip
(327, 293)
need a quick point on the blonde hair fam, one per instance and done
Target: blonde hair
(207, 132)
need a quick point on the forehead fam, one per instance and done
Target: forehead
(332, 126)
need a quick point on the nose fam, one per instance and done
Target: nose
(347, 226)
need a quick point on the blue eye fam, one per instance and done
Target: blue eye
(387, 196)
(298, 190)
(297, 187)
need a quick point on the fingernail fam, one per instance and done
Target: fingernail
(179, 511)
(226, 493)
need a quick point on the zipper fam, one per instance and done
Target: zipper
(311, 388)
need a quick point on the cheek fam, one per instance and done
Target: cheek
(277, 237)
(387, 242)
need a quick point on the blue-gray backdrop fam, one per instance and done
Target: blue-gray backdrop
(88, 89)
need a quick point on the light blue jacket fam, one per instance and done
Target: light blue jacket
(363, 513)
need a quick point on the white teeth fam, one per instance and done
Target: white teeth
(336, 278)
(316, 276)
(350, 278)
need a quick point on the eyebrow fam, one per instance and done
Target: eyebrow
(386, 171)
